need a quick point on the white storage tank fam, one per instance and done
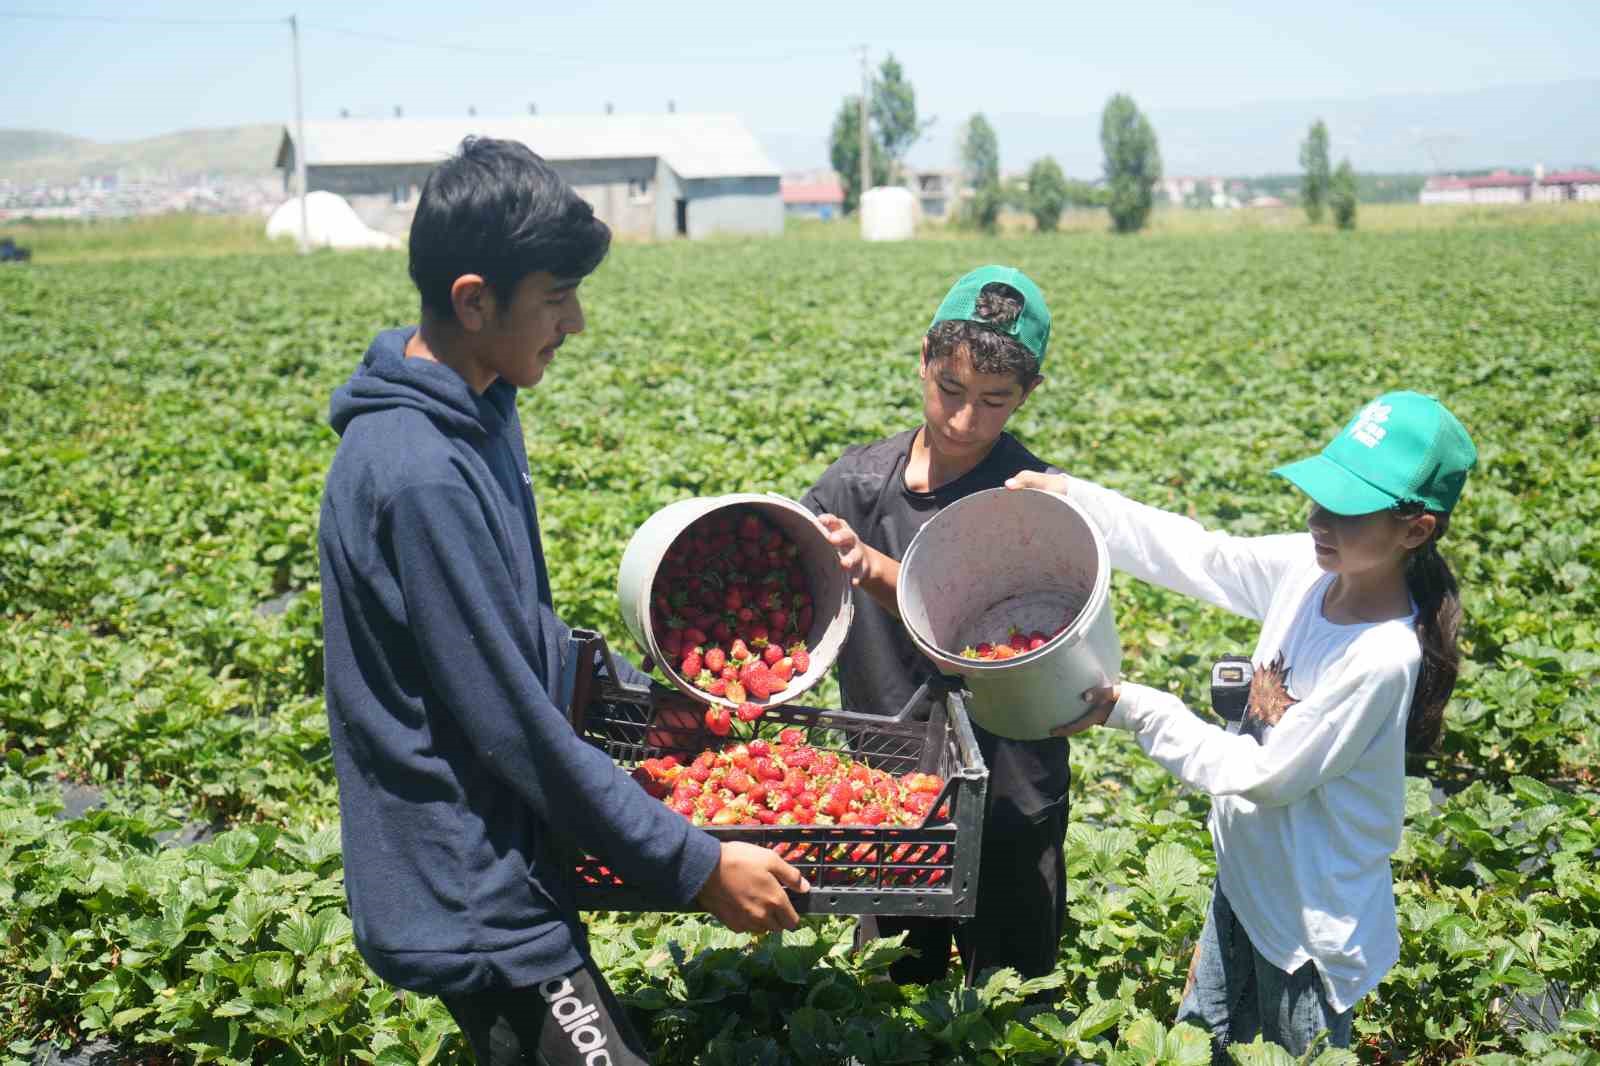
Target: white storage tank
(888, 213)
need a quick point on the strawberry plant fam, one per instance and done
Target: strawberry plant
(169, 870)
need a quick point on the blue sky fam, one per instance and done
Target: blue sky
(783, 67)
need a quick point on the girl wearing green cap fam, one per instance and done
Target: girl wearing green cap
(1356, 659)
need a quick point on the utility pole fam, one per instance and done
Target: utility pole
(299, 138)
(866, 170)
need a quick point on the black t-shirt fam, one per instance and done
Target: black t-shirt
(879, 667)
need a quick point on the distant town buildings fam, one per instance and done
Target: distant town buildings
(937, 192)
(1504, 187)
(124, 195)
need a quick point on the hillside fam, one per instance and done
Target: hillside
(42, 155)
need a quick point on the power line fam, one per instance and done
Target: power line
(435, 45)
(51, 16)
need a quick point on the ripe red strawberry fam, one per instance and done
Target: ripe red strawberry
(759, 682)
(740, 782)
(691, 665)
(650, 782)
(792, 736)
(672, 644)
(730, 673)
(1019, 641)
(760, 748)
(766, 816)
(693, 637)
(684, 807)
(732, 600)
(1035, 643)
(750, 528)
(771, 654)
(749, 712)
(873, 814)
(717, 687)
(1004, 651)
(776, 682)
(783, 670)
(759, 635)
(715, 660)
(801, 657)
(739, 652)
(722, 632)
(718, 721)
(777, 621)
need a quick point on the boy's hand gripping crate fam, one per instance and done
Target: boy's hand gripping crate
(927, 870)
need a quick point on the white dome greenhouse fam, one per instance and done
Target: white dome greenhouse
(330, 223)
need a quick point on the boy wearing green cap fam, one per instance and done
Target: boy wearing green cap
(1356, 660)
(980, 362)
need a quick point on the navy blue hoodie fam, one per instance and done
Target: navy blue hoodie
(456, 770)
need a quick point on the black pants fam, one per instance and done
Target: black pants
(1021, 905)
(1022, 877)
(568, 1021)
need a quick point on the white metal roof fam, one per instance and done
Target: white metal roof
(694, 145)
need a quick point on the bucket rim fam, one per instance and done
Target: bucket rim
(1075, 633)
(710, 505)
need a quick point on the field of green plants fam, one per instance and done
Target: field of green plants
(170, 881)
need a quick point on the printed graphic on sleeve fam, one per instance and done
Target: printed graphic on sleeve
(1269, 699)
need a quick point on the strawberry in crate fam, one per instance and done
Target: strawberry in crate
(732, 607)
(789, 782)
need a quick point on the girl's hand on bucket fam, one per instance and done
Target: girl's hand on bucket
(1101, 702)
(852, 553)
(1030, 479)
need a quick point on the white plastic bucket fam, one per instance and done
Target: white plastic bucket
(1023, 558)
(831, 606)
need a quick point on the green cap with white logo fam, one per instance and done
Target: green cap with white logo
(1031, 326)
(1401, 448)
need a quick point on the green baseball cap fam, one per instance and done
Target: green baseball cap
(1403, 447)
(1032, 326)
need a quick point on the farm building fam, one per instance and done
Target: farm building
(647, 175)
(1570, 185)
(1501, 187)
(813, 196)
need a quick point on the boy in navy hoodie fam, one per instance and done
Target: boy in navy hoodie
(460, 781)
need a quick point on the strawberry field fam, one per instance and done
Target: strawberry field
(170, 880)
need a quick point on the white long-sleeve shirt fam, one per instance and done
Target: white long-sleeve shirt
(1309, 793)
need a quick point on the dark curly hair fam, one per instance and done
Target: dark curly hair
(991, 351)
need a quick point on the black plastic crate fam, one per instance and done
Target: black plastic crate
(930, 869)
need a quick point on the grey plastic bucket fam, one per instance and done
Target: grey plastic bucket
(831, 605)
(1014, 557)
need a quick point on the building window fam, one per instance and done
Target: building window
(639, 190)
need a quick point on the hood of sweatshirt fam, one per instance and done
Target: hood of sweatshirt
(386, 380)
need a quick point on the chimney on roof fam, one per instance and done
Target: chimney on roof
(609, 108)
(397, 111)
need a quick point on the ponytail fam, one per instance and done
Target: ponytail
(1433, 587)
